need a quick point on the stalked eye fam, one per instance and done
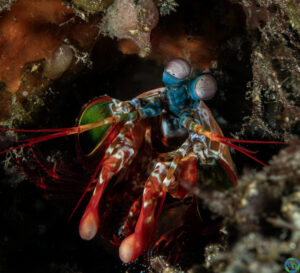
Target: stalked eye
(205, 87)
(179, 68)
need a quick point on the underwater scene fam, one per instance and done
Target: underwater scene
(149, 136)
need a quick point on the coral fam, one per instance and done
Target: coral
(275, 58)
(265, 217)
(172, 39)
(167, 6)
(127, 19)
(6, 4)
(292, 9)
(172, 44)
(255, 15)
(26, 36)
(39, 41)
(158, 264)
(32, 31)
(59, 62)
(92, 5)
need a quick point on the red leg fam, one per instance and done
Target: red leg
(136, 243)
(119, 155)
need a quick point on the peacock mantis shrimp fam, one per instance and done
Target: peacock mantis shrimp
(161, 141)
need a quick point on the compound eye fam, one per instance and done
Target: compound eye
(179, 68)
(205, 87)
